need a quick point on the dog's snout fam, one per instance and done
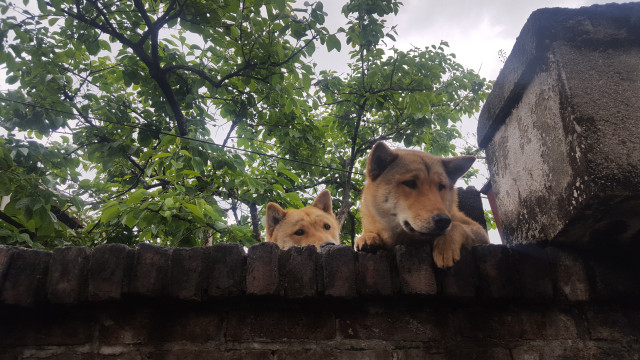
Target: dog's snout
(441, 221)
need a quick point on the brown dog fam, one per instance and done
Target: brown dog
(408, 195)
(311, 225)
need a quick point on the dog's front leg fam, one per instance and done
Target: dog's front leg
(446, 248)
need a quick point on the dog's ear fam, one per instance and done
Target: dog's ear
(455, 167)
(323, 201)
(275, 214)
(380, 158)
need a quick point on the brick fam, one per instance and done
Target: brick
(339, 270)
(293, 323)
(151, 270)
(375, 273)
(6, 252)
(532, 265)
(614, 278)
(186, 280)
(505, 323)
(571, 281)
(44, 327)
(613, 324)
(226, 266)
(109, 269)
(155, 325)
(461, 280)
(418, 354)
(415, 269)
(494, 278)
(334, 354)
(477, 352)
(25, 278)
(262, 269)
(395, 323)
(218, 354)
(68, 278)
(298, 267)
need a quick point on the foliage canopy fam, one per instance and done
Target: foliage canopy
(174, 122)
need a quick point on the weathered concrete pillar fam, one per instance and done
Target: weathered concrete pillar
(561, 128)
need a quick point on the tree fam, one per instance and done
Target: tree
(175, 121)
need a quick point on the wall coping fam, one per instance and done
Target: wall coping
(486, 273)
(597, 27)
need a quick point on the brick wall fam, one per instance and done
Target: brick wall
(220, 302)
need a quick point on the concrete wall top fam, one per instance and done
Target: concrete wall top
(595, 27)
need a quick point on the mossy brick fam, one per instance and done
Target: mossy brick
(495, 279)
(298, 267)
(262, 269)
(68, 278)
(339, 271)
(151, 270)
(5, 259)
(532, 266)
(395, 323)
(415, 269)
(225, 270)
(25, 277)
(186, 280)
(376, 273)
(290, 323)
(569, 274)
(109, 271)
(460, 281)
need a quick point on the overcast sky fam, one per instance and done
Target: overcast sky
(476, 30)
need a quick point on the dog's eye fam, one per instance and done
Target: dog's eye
(327, 227)
(411, 184)
(299, 232)
(441, 187)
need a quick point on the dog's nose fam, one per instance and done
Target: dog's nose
(441, 221)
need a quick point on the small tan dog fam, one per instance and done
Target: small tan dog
(409, 195)
(311, 225)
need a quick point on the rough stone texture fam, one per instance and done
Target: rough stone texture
(415, 269)
(262, 269)
(339, 271)
(375, 274)
(226, 270)
(151, 269)
(109, 270)
(383, 306)
(533, 269)
(67, 280)
(560, 128)
(186, 279)
(495, 279)
(298, 271)
(460, 282)
(569, 274)
(470, 202)
(25, 277)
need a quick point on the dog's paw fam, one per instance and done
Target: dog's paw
(369, 242)
(446, 251)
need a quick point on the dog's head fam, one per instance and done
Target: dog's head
(311, 225)
(413, 190)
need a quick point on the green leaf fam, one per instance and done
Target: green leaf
(193, 209)
(333, 43)
(290, 174)
(109, 213)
